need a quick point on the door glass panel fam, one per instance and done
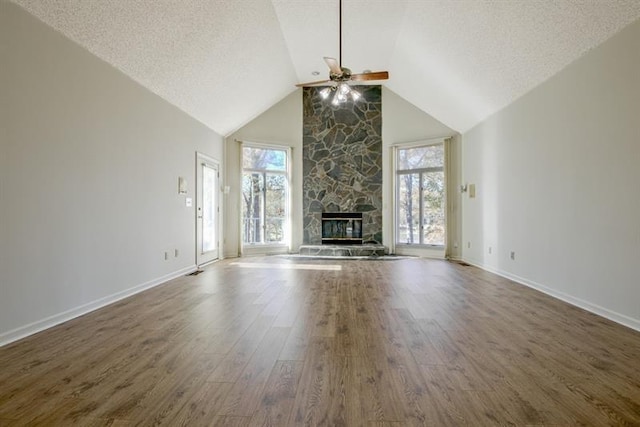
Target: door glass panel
(433, 228)
(209, 238)
(409, 208)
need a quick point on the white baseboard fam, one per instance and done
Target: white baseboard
(56, 319)
(622, 319)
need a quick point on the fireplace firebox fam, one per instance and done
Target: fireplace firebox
(341, 228)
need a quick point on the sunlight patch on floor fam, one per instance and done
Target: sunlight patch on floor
(331, 267)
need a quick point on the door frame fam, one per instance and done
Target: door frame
(204, 159)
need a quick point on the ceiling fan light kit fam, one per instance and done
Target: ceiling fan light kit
(324, 93)
(341, 93)
(340, 76)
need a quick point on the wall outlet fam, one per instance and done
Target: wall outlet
(512, 255)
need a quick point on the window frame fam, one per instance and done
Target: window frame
(285, 244)
(397, 173)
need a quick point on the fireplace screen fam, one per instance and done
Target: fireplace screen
(342, 228)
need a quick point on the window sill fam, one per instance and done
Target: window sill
(418, 245)
(264, 249)
(426, 251)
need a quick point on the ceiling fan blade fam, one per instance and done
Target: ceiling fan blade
(333, 64)
(312, 83)
(376, 75)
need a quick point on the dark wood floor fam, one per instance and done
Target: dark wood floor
(271, 341)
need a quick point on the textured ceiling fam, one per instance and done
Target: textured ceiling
(226, 61)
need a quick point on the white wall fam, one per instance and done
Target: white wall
(280, 125)
(88, 184)
(404, 122)
(557, 180)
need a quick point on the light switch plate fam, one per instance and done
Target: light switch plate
(188, 202)
(472, 191)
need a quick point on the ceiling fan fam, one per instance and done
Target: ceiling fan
(339, 74)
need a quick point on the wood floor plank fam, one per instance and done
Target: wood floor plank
(293, 303)
(295, 348)
(220, 421)
(352, 321)
(423, 350)
(312, 402)
(329, 389)
(340, 342)
(278, 396)
(382, 401)
(202, 406)
(244, 397)
(239, 355)
(77, 377)
(324, 310)
(414, 404)
(177, 391)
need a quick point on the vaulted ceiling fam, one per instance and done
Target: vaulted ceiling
(224, 62)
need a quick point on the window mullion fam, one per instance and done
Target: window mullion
(434, 169)
(421, 208)
(264, 207)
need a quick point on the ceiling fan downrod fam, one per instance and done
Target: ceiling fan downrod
(339, 75)
(340, 34)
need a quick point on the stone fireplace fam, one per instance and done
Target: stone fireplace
(342, 165)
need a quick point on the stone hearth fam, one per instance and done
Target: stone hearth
(343, 250)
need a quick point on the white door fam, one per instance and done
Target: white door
(207, 209)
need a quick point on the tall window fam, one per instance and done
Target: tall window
(420, 204)
(265, 191)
